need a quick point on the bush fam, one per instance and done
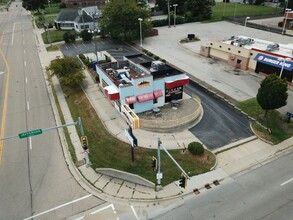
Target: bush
(86, 36)
(196, 148)
(69, 37)
(156, 58)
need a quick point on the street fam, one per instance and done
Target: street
(263, 193)
(34, 177)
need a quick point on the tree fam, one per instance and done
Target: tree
(272, 93)
(120, 20)
(259, 2)
(32, 5)
(198, 9)
(69, 37)
(85, 35)
(68, 70)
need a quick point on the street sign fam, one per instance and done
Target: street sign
(30, 133)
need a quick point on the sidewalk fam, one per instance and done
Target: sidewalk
(108, 188)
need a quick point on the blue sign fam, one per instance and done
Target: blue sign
(290, 115)
(274, 61)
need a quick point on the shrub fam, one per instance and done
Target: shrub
(196, 148)
(82, 56)
(69, 37)
(156, 58)
(85, 35)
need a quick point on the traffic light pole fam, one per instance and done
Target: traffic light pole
(86, 152)
(159, 174)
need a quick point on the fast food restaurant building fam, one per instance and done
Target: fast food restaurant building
(253, 54)
(138, 84)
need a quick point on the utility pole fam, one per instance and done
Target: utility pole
(169, 13)
(159, 174)
(84, 143)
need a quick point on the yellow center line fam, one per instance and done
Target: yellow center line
(5, 101)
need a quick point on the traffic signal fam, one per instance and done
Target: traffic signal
(154, 163)
(183, 181)
(84, 142)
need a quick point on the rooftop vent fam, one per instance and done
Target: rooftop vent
(272, 47)
(157, 65)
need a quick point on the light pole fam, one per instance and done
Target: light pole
(286, 17)
(245, 25)
(94, 16)
(175, 14)
(140, 31)
(169, 13)
(235, 9)
(224, 8)
(49, 6)
(283, 64)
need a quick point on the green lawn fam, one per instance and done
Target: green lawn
(281, 130)
(221, 9)
(107, 151)
(40, 20)
(54, 35)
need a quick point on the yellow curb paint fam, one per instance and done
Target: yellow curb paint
(5, 101)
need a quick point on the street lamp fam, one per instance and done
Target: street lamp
(245, 25)
(169, 12)
(95, 16)
(283, 64)
(49, 6)
(224, 7)
(140, 31)
(286, 17)
(175, 14)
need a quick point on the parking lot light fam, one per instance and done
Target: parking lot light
(245, 25)
(283, 64)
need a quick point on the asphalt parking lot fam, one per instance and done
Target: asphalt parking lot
(116, 48)
(241, 85)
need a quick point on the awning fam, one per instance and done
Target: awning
(130, 99)
(145, 97)
(176, 83)
(274, 61)
(112, 93)
(158, 93)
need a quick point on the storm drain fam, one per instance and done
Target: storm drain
(207, 186)
(216, 182)
(196, 191)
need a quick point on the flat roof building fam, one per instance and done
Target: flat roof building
(253, 54)
(139, 83)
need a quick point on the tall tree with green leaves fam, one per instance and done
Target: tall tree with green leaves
(120, 20)
(68, 70)
(32, 5)
(198, 9)
(272, 93)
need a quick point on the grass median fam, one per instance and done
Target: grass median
(275, 121)
(108, 152)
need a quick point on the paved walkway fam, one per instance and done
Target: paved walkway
(247, 154)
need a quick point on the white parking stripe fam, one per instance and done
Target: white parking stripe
(58, 207)
(28, 105)
(288, 181)
(101, 209)
(134, 212)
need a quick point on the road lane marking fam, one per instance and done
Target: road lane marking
(28, 105)
(134, 212)
(4, 104)
(30, 143)
(2, 37)
(58, 207)
(102, 209)
(25, 79)
(12, 38)
(24, 63)
(24, 51)
(288, 181)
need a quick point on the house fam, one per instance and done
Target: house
(78, 19)
(83, 3)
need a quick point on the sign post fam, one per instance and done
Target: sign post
(290, 115)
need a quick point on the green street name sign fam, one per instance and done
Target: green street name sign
(30, 133)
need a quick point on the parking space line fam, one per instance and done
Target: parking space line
(288, 181)
(134, 212)
(74, 46)
(84, 45)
